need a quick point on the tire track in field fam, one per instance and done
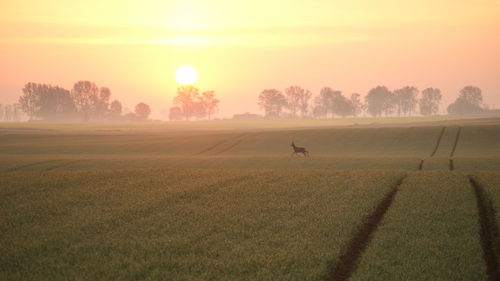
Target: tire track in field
(452, 153)
(488, 230)
(348, 260)
(231, 146)
(218, 144)
(421, 165)
(210, 148)
(64, 163)
(438, 142)
(30, 165)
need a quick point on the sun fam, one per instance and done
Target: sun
(186, 75)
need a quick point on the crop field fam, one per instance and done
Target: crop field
(229, 201)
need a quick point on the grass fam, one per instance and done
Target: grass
(381, 142)
(225, 200)
(182, 224)
(114, 162)
(231, 125)
(490, 183)
(479, 141)
(431, 232)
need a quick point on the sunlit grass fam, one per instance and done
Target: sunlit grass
(431, 232)
(182, 224)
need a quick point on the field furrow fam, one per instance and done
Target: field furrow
(182, 224)
(487, 186)
(431, 232)
(348, 260)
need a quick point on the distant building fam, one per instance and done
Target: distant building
(246, 116)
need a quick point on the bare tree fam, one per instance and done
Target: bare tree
(101, 103)
(273, 102)
(324, 102)
(84, 94)
(211, 103)
(297, 100)
(30, 98)
(429, 102)
(357, 104)
(405, 100)
(319, 110)
(186, 97)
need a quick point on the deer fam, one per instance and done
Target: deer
(297, 150)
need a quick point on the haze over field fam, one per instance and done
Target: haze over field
(240, 48)
(334, 140)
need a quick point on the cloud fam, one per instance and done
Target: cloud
(257, 35)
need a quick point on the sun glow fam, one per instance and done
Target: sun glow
(186, 75)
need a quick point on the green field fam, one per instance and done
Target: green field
(226, 200)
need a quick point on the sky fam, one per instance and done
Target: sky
(240, 48)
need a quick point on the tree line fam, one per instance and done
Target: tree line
(296, 101)
(85, 101)
(88, 102)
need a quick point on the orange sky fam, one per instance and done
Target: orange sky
(242, 47)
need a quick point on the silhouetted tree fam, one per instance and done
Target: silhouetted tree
(199, 109)
(324, 102)
(115, 109)
(378, 101)
(357, 104)
(341, 105)
(405, 100)
(55, 103)
(297, 100)
(469, 101)
(319, 110)
(175, 113)
(142, 111)
(131, 117)
(186, 97)
(30, 98)
(101, 103)
(273, 102)
(16, 112)
(429, 102)
(8, 114)
(210, 103)
(85, 94)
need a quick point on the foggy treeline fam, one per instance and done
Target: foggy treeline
(10, 113)
(84, 102)
(296, 101)
(88, 102)
(189, 103)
